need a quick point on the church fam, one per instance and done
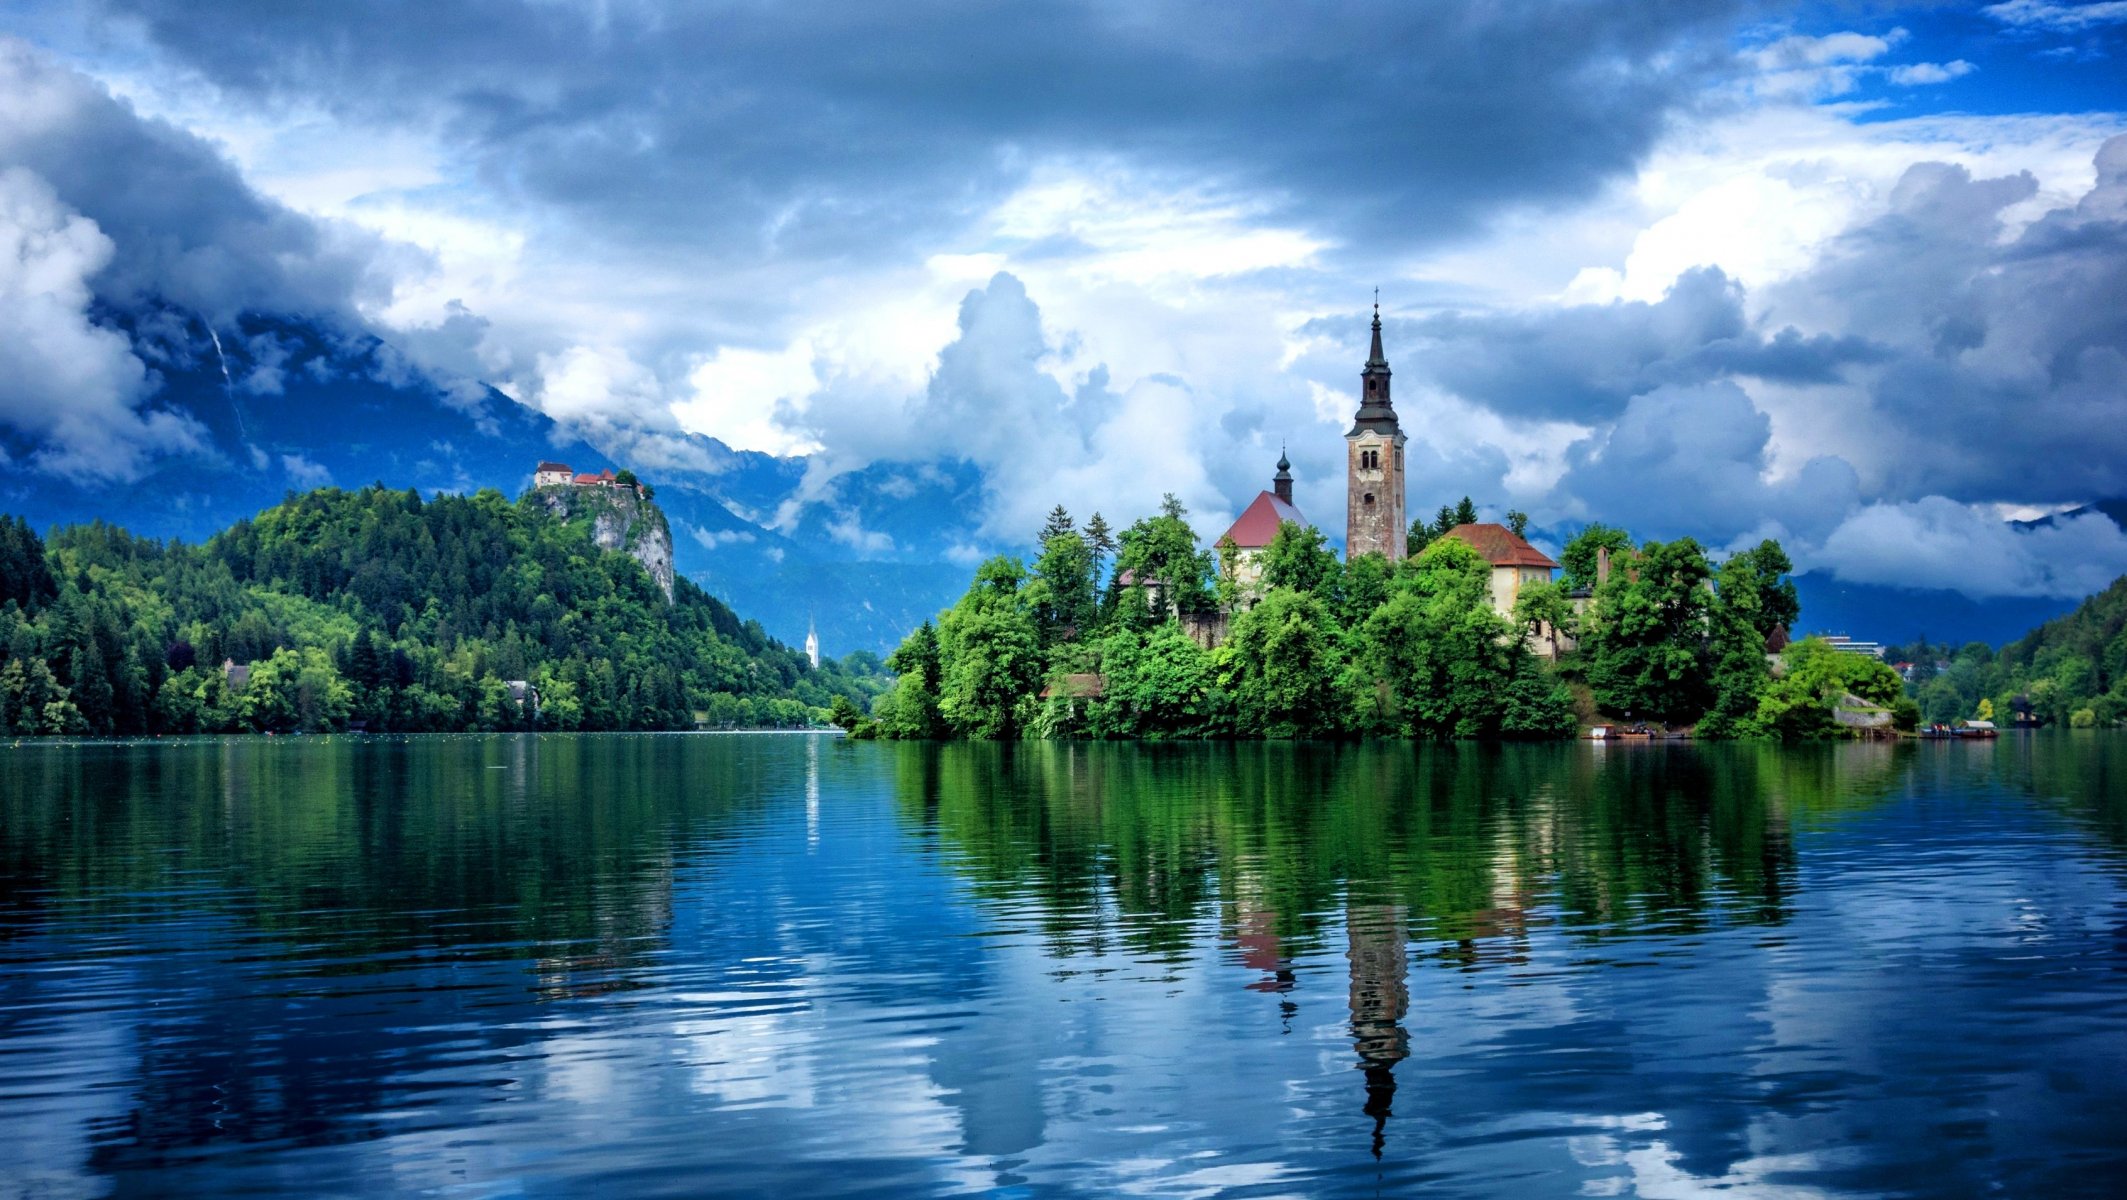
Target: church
(1374, 502)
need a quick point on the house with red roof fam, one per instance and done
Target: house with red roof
(1514, 561)
(552, 474)
(1253, 530)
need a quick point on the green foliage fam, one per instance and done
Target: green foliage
(380, 608)
(1443, 654)
(1160, 553)
(1646, 640)
(1577, 562)
(1816, 678)
(1334, 650)
(1062, 594)
(1299, 557)
(1283, 664)
(1423, 534)
(989, 649)
(1155, 685)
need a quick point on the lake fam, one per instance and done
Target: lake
(793, 965)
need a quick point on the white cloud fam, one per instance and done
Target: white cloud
(66, 382)
(2063, 18)
(753, 399)
(1922, 74)
(304, 473)
(1938, 543)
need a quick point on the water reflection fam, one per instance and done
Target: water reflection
(799, 965)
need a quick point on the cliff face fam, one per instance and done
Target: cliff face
(618, 520)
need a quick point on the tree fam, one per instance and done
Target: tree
(1161, 553)
(1059, 523)
(990, 655)
(1646, 646)
(1465, 513)
(1282, 666)
(1542, 609)
(1582, 553)
(1755, 582)
(1101, 541)
(1299, 557)
(1063, 600)
(1155, 685)
(1518, 521)
(1440, 647)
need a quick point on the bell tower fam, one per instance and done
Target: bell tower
(1373, 470)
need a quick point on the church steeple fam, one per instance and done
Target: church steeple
(1374, 462)
(1375, 410)
(1281, 483)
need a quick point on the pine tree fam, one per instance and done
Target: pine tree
(1059, 522)
(1101, 540)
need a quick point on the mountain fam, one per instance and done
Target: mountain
(1891, 615)
(382, 609)
(279, 406)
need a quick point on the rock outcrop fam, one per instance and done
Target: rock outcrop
(618, 519)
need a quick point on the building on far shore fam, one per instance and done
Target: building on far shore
(1514, 561)
(1839, 641)
(1253, 530)
(554, 474)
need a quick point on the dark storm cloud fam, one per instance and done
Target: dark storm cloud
(1586, 363)
(829, 130)
(185, 227)
(2009, 377)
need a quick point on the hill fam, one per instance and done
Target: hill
(2071, 671)
(383, 610)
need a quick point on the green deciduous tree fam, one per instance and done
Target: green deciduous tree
(1283, 666)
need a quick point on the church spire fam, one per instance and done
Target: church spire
(1375, 410)
(1281, 484)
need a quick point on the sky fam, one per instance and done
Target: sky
(1853, 275)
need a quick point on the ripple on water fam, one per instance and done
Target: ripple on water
(795, 966)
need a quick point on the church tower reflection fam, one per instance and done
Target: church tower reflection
(1380, 999)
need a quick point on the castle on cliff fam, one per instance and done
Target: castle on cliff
(554, 474)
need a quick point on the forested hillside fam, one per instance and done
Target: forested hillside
(2070, 672)
(381, 610)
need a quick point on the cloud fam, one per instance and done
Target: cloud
(1586, 362)
(69, 385)
(824, 131)
(1937, 543)
(185, 228)
(304, 473)
(1923, 74)
(2060, 18)
(1694, 460)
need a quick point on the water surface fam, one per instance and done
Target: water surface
(792, 965)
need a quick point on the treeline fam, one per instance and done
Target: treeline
(380, 610)
(2070, 672)
(1325, 649)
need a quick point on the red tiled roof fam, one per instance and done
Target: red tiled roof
(1500, 546)
(1259, 522)
(544, 467)
(602, 477)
